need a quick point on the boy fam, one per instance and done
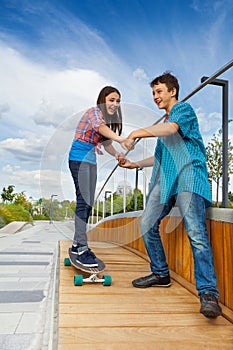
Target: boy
(179, 177)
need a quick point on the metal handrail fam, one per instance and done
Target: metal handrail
(198, 88)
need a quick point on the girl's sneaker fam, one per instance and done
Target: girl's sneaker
(74, 249)
(87, 258)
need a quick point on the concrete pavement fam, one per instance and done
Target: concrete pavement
(28, 280)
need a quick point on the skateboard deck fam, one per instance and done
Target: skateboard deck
(74, 262)
(91, 272)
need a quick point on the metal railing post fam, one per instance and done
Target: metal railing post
(224, 84)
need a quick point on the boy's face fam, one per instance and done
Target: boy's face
(163, 98)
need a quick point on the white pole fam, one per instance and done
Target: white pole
(124, 190)
(103, 208)
(144, 173)
(111, 203)
(97, 214)
(92, 215)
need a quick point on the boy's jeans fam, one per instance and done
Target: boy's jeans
(192, 209)
(84, 175)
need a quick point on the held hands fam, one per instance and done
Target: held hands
(120, 157)
(127, 144)
(123, 161)
(126, 163)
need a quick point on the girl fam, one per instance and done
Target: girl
(98, 125)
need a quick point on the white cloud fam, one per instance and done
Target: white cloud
(30, 181)
(32, 92)
(209, 122)
(7, 169)
(140, 74)
(27, 149)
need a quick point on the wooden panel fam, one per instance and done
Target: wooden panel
(216, 239)
(171, 253)
(188, 269)
(228, 264)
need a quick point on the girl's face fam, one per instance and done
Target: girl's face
(112, 102)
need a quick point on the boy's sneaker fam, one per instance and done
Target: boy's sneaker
(87, 258)
(152, 280)
(209, 305)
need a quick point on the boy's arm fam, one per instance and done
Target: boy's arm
(157, 130)
(126, 163)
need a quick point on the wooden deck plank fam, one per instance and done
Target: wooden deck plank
(180, 345)
(192, 337)
(126, 320)
(123, 317)
(142, 308)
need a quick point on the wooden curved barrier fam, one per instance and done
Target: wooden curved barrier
(124, 229)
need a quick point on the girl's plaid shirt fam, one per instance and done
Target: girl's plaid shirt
(88, 127)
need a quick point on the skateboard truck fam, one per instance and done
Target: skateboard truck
(106, 280)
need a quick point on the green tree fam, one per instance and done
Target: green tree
(7, 194)
(230, 197)
(131, 204)
(214, 160)
(21, 199)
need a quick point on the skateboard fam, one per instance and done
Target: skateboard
(90, 273)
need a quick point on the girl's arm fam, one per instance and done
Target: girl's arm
(109, 134)
(111, 150)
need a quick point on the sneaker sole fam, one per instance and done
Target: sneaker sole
(153, 285)
(87, 265)
(211, 313)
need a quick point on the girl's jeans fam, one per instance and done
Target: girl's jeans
(84, 176)
(192, 209)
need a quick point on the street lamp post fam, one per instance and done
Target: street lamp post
(51, 208)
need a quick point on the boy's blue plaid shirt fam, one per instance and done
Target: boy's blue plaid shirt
(180, 159)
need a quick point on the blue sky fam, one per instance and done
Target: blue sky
(57, 55)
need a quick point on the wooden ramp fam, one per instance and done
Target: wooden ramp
(94, 317)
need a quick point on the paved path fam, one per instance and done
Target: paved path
(28, 265)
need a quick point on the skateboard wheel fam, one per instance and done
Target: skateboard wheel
(78, 280)
(107, 280)
(67, 262)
